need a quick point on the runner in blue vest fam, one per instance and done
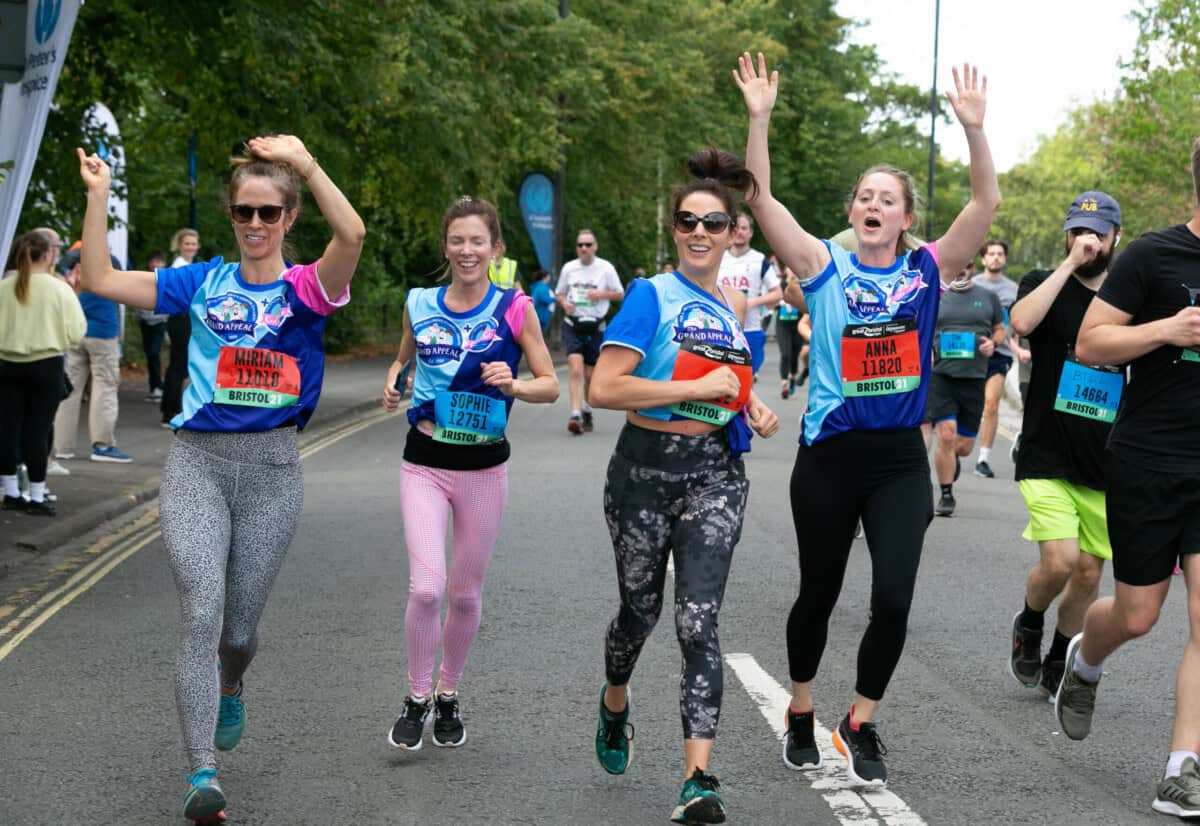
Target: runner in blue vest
(861, 454)
(676, 359)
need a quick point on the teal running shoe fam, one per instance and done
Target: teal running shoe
(699, 801)
(614, 738)
(204, 800)
(231, 720)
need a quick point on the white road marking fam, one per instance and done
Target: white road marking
(852, 806)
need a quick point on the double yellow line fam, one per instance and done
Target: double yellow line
(113, 549)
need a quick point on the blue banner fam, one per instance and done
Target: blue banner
(537, 207)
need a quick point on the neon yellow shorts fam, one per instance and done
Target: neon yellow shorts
(1062, 510)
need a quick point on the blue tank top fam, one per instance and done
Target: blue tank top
(664, 313)
(871, 343)
(451, 349)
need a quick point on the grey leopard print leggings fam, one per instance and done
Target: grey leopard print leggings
(669, 494)
(229, 505)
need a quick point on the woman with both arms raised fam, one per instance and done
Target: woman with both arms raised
(861, 454)
(677, 360)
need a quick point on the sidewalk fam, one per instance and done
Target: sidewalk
(96, 492)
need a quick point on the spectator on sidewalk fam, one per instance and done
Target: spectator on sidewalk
(40, 318)
(185, 244)
(96, 357)
(154, 327)
(543, 298)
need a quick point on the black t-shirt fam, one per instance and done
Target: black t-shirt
(1158, 426)
(1056, 444)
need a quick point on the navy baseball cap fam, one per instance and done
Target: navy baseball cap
(1094, 210)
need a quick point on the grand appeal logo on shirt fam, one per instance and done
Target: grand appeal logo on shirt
(438, 340)
(232, 315)
(698, 322)
(880, 297)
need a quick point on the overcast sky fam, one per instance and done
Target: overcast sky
(1041, 58)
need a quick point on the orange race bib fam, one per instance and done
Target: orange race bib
(696, 359)
(881, 359)
(256, 378)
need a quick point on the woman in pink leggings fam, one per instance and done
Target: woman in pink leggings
(467, 337)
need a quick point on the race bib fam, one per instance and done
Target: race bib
(256, 378)
(881, 359)
(1189, 355)
(956, 344)
(468, 418)
(1089, 392)
(696, 359)
(788, 313)
(577, 294)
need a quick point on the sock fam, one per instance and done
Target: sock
(853, 725)
(1035, 621)
(1058, 648)
(948, 490)
(37, 491)
(1091, 673)
(575, 414)
(587, 408)
(984, 453)
(1175, 762)
(10, 486)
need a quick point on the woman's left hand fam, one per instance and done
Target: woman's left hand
(970, 96)
(499, 375)
(284, 148)
(762, 418)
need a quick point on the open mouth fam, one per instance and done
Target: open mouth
(872, 223)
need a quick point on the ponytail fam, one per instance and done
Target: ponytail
(28, 248)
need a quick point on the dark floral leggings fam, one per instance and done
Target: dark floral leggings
(681, 495)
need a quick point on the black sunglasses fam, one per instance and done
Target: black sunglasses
(244, 213)
(585, 243)
(714, 222)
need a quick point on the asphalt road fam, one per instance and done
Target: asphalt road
(89, 734)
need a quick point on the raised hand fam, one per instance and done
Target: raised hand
(758, 89)
(969, 98)
(284, 148)
(95, 172)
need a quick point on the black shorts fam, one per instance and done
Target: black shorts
(959, 399)
(998, 364)
(588, 346)
(1153, 519)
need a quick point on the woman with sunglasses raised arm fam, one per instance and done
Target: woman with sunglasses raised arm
(676, 359)
(233, 487)
(861, 454)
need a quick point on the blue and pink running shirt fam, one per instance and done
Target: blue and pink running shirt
(663, 315)
(257, 354)
(451, 349)
(872, 340)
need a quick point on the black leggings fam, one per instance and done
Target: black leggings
(881, 477)
(29, 396)
(684, 496)
(179, 328)
(787, 333)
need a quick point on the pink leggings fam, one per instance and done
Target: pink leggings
(427, 497)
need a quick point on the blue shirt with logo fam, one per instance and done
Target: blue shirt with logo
(657, 314)
(848, 292)
(284, 319)
(453, 346)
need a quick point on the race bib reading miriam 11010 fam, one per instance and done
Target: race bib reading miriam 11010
(256, 377)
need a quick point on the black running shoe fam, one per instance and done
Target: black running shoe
(406, 732)
(1052, 674)
(14, 503)
(448, 729)
(863, 751)
(800, 744)
(1025, 657)
(984, 470)
(588, 425)
(945, 505)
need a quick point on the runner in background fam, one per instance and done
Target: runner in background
(751, 273)
(791, 338)
(233, 487)
(861, 453)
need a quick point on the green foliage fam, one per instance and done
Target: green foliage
(410, 103)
